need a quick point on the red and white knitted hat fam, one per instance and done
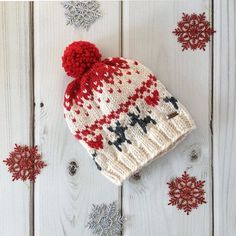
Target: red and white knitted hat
(122, 114)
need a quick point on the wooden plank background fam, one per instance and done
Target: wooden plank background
(16, 113)
(32, 39)
(224, 118)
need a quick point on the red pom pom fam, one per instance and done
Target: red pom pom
(79, 57)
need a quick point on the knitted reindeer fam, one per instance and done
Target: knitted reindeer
(135, 119)
(120, 132)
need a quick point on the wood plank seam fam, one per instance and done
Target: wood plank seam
(121, 54)
(32, 104)
(211, 122)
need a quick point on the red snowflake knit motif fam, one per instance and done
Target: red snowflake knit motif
(186, 193)
(153, 99)
(193, 31)
(24, 163)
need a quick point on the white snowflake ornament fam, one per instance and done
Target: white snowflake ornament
(106, 220)
(81, 13)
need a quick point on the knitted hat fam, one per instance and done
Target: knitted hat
(119, 111)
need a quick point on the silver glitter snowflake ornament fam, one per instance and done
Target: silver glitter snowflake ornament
(81, 13)
(106, 220)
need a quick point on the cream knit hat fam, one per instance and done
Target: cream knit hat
(122, 114)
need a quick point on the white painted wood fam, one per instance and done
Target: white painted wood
(63, 202)
(148, 37)
(224, 118)
(15, 123)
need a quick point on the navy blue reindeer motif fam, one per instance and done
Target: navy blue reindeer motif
(120, 132)
(173, 101)
(135, 119)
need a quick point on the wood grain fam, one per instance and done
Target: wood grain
(148, 37)
(15, 110)
(62, 201)
(224, 118)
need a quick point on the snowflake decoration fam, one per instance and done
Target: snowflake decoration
(24, 163)
(105, 220)
(193, 31)
(81, 13)
(186, 192)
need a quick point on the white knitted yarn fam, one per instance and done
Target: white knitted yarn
(169, 123)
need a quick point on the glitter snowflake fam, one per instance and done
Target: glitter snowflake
(81, 13)
(106, 220)
(186, 192)
(24, 163)
(193, 31)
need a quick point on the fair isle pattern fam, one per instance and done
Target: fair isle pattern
(124, 116)
(103, 97)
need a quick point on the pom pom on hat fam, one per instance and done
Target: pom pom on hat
(79, 57)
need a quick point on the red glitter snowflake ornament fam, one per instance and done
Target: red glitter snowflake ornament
(193, 31)
(24, 163)
(186, 192)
